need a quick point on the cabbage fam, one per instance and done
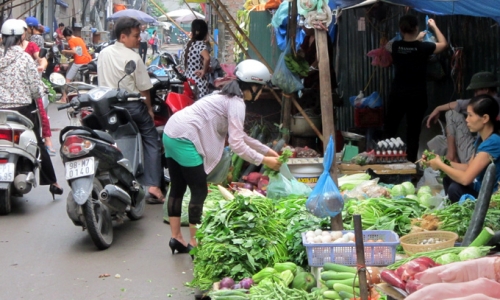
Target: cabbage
(409, 188)
(397, 191)
(425, 200)
(470, 253)
(424, 190)
(413, 197)
(447, 258)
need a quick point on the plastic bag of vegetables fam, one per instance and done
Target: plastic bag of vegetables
(325, 199)
(219, 173)
(283, 77)
(284, 185)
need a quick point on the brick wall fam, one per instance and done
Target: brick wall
(226, 42)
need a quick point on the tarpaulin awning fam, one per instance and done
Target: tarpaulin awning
(62, 3)
(483, 8)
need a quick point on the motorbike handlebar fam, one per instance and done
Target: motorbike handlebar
(64, 106)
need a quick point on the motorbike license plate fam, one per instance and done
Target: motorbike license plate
(7, 172)
(79, 168)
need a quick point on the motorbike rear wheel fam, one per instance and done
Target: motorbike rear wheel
(5, 202)
(98, 218)
(136, 212)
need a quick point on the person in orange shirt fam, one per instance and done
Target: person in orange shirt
(80, 57)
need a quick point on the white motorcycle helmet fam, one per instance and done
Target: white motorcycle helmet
(252, 71)
(13, 27)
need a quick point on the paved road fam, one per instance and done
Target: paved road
(44, 256)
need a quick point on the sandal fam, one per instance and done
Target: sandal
(51, 152)
(152, 199)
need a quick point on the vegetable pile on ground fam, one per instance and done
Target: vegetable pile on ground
(341, 282)
(383, 214)
(237, 239)
(283, 281)
(456, 217)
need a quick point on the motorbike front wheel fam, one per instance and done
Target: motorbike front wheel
(5, 202)
(98, 218)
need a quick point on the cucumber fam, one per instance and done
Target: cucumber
(340, 287)
(346, 295)
(332, 275)
(331, 295)
(347, 282)
(339, 268)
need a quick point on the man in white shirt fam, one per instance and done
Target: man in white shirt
(143, 46)
(110, 69)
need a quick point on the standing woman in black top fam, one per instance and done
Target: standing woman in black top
(409, 89)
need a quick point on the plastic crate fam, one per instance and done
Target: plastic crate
(368, 117)
(376, 254)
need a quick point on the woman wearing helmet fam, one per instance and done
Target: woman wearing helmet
(194, 141)
(35, 32)
(19, 95)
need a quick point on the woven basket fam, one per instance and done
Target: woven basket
(411, 242)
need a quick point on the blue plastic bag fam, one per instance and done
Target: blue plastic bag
(429, 36)
(325, 200)
(283, 77)
(372, 101)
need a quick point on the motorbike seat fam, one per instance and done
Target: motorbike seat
(102, 134)
(82, 86)
(17, 118)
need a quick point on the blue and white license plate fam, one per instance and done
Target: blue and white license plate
(7, 172)
(79, 168)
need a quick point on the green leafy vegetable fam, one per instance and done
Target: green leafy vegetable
(287, 153)
(430, 155)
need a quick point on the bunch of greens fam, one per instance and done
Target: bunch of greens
(237, 239)
(287, 153)
(277, 291)
(293, 209)
(383, 214)
(456, 217)
(429, 156)
(52, 92)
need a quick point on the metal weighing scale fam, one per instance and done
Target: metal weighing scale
(349, 150)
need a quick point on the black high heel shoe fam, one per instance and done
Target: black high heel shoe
(55, 190)
(176, 245)
(189, 248)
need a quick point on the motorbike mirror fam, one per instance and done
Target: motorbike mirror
(42, 53)
(130, 67)
(57, 79)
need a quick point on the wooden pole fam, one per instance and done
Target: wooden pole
(327, 105)
(360, 257)
(34, 5)
(287, 99)
(261, 58)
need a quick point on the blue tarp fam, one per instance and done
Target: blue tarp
(476, 8)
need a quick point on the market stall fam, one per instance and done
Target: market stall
(329, 226)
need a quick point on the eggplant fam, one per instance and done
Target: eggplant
(482, 204)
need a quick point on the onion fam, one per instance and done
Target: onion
(373, 275)
(237, 286)
(246, 283)
(248, 186)
(226, 282)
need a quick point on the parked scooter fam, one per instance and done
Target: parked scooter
(19, 157)
(102, 160)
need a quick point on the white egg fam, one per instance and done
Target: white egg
(350, 235)
(318, 231)
(336, 235)
(340, 240)
(326, 239)
(317, 240)
(310, 234)
(325, 233)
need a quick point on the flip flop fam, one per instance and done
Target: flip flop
(154, 200)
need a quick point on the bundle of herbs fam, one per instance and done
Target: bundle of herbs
(456, 217)
(237, 239)
(299, 220)
(383, 214)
